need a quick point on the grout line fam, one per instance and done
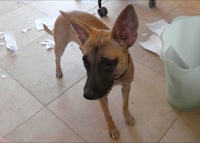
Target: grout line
(65, 90)
(66, 125)
(170, 127)
(38, 10)
(20, 5)
(25, 121)
(174, 9)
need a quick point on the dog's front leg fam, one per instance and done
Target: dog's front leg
(113, 132)
(127, 115)
(58, 53)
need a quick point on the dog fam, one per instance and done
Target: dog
(105, 55)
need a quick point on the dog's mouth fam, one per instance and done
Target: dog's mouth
(95, 92)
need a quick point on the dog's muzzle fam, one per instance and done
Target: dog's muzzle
(94, 90)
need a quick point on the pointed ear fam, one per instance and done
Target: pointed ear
(82, 30)
(126, 27)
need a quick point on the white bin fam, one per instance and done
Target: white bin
(181, 55)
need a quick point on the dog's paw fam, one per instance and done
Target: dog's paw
(59, 74)
(129, 119)
(114, 133)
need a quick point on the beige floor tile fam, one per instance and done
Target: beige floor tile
(16, 104)
(147, 104)
(3, 140)
(7, 6)
(34, 68)
(162, 8)
(43, 127)
(52, 8)
(185, 129)
(188, 8)
(16, 20)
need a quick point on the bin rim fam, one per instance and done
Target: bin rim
(163, 50)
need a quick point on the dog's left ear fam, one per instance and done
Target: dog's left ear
(82, 30)
(126, 27)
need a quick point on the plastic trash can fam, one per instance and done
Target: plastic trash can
(181, 55)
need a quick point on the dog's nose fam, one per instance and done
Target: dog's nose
(89, 95)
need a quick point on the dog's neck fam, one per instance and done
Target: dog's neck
(120, 76)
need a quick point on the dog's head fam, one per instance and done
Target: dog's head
(105, 52)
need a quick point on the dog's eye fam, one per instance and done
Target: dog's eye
(109, 64)
(85, 62)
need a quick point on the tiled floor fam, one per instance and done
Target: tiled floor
(35, 106)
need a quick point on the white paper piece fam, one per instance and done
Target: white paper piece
(29, 20)
(48, 43)
(3, 76)
(49, 22)
(2, 44)
(144, 34)
(25, 30)
(158, 26)
(10, 41)
(154, 44)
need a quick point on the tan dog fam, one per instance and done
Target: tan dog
(105, 55)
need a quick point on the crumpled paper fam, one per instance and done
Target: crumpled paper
(158, 26)
(49, 22)
(49, 44)
(25, 30)
(154, 43)
(4, 76)
(11, 42)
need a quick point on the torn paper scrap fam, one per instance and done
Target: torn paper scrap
(25, 30)
(10, 41)
(3, 76)
(144, 34)
(154, 44)
(29, 20)
(49, 22)
(48, 43)
(158, 26)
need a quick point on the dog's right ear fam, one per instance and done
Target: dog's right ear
(82, 30)
(126, 27)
